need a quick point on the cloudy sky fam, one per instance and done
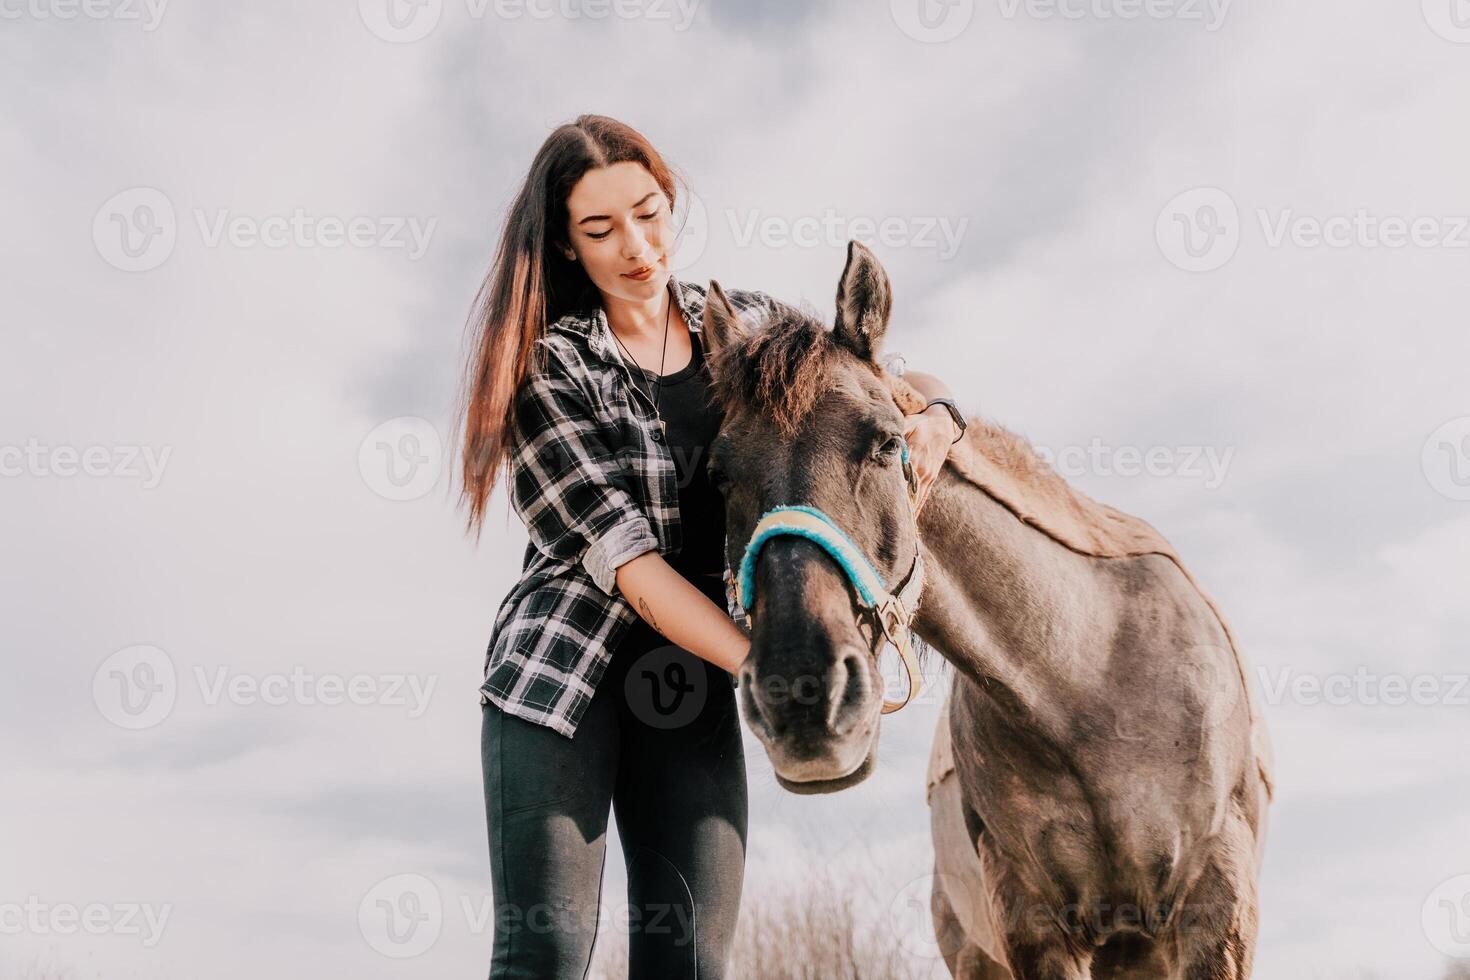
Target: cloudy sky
(244, 632)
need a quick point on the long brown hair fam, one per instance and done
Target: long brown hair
(530, 285)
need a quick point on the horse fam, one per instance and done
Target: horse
(1102, 807)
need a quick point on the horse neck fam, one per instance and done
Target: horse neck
(1013, 610)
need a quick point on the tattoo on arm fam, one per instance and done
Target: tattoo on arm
(647, 612)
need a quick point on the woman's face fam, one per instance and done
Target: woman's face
(619, 224)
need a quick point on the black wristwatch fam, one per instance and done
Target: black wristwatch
(954, 413)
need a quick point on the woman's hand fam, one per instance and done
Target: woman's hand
(929, 435)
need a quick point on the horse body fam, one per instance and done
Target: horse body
(1104, 812)
(1105, 755)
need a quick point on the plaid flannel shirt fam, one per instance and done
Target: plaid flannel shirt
(595, 485)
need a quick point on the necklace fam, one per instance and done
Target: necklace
(663, 357)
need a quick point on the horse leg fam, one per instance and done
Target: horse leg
(1216, 933)
(1131, 957)
(960, 902)
(1049, 961)
(964, 959)
(1035, 945)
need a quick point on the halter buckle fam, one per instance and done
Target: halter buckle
(892, 617)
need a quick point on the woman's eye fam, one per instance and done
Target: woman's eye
(650, 216)
(598, 238)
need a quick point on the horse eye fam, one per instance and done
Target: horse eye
(890, 447)
(717, 477)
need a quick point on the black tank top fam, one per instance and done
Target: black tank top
(691, 424)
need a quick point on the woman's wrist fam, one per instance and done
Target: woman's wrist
(739, 651)
(937, 413)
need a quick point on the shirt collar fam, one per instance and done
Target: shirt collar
(600, 341)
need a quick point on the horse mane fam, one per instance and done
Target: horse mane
(784, 367)
(780, 370)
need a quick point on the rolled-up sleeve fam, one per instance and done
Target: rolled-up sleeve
(569, 488)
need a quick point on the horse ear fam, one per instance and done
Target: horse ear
(721, 325)
(863, 302)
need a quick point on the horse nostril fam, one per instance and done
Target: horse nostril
(755, 711)
(849, 682)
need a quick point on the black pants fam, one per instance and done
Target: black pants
(660, 746)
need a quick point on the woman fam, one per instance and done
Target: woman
(608, 681)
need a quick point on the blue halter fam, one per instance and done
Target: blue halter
(893, 608)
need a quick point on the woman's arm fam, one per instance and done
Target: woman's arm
(672, 605)
(677, 609)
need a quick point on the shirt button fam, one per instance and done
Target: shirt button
(658, 435)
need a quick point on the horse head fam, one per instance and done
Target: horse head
(821, 526)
